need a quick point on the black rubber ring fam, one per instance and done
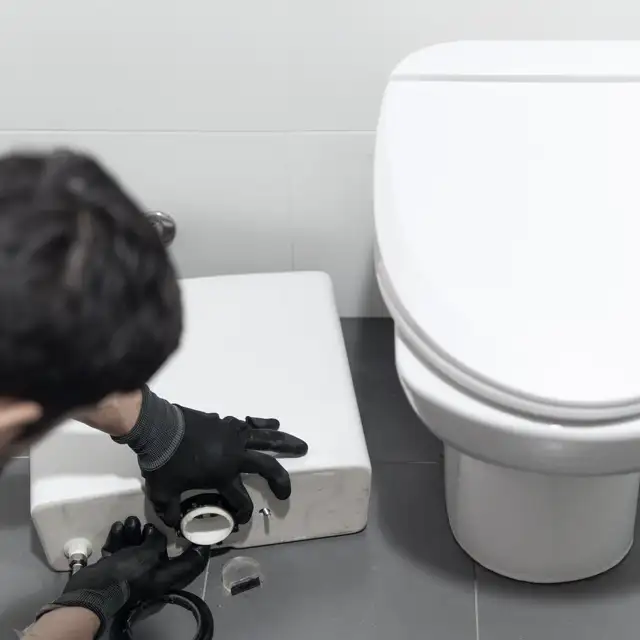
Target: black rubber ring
(122, 627)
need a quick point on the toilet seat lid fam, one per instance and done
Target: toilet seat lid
(508, 226)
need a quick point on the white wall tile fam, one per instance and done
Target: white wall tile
(331, 202)
(111, 70)
(227, 192)
(281, 65)
(344, 50)
(143, 65)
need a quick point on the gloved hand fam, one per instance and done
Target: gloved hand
(137, 569)
(181, 449)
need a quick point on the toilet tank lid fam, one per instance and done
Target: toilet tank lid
(523, 61)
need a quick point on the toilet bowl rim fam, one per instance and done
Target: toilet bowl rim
(489, 433)
(511, 423)
(484, 388)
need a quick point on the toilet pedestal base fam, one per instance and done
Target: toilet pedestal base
(539, 528)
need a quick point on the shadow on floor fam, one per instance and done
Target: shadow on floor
(20, 615)
(412, 518)
(393, 430)
(621, 580)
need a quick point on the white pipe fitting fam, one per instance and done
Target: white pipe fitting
(78, 547)
(207, 525)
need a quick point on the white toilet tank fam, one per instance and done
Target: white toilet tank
(267, 345)
(508, 205)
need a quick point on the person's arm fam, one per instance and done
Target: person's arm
(67, 623)
(180, 449)
(115, 416)
(134, 568)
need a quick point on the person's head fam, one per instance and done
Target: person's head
(89, 301)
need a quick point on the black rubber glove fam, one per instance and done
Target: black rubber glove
(134, 567)
(181, 449)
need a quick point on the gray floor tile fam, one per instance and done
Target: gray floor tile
(394, 432)
(404, 577)
(25, 581)
(606, 607)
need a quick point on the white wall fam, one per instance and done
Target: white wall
(250, 120)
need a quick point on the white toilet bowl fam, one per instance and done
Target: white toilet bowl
(507, 219)
(532, 501)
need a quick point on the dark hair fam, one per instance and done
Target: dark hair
(89, 301)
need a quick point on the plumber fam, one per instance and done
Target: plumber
(89, 311)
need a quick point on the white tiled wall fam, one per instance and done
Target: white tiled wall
(251, 121)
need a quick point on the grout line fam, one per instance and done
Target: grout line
(292, 218)
(475, 599)
(206, 578)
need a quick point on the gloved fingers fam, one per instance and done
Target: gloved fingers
(132, 532)
(178, 573)
(276, 442)
(154, 539)
(129, 533)
(171, 514)
(237, 499)
(166, 505)
(149, 555)
(270, 469)
(115, 539)
(263, 423)
(148, 530)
